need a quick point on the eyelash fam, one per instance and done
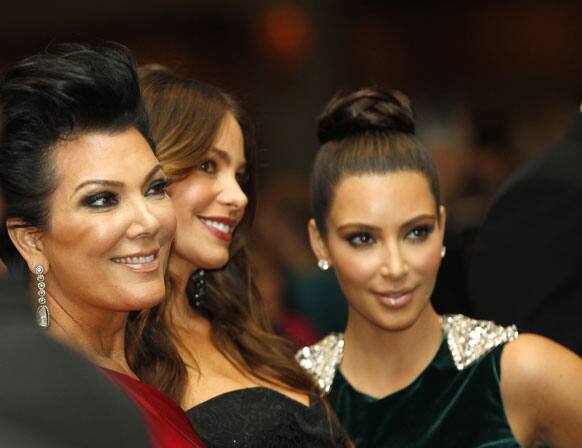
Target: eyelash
(159, 187)
(420, 233)
(208, 166)
(106, 199)
(417, 234)
(97, 200)
(360, 239)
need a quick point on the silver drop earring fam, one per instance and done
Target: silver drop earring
(443, 251)
(323, 264)
(43, 315)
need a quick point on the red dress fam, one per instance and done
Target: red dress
(167, 424)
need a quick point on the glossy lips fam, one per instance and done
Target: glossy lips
(220, 227)
(395, 299)
(140, 262)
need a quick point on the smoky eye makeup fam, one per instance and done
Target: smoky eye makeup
(158, 187)
(420, 232)
(359, 238)
(100, 200)
(208, 166)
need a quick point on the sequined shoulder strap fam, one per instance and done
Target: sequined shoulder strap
(470, 339)
(322, 359)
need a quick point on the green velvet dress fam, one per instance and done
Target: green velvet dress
(455, 402)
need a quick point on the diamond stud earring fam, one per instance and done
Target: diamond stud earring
(323, 264)
(443, 251)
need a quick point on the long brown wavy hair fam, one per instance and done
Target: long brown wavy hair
(185, 116)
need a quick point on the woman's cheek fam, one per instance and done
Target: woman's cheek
(356, 268)
(428, 260)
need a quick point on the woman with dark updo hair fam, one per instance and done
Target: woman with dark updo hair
(401, 375)
(87, 217)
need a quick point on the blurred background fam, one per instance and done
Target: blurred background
(494, 83)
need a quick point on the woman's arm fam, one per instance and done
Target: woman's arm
(541, 385)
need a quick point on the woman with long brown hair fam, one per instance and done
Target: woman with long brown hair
(210, 346)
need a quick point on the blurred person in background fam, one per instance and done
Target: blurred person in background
(306, 292)
(526, 266)
(87, 218)
(210, 345)
(447, 134)
(269, 277)
(401, 374)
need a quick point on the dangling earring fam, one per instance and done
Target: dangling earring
(323, 264)
(43, 315)
(443, 251)
(198, 288)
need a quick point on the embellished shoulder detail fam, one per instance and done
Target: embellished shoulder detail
(322, 359)
(470, 339)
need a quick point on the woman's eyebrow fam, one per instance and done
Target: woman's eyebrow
(103, 182)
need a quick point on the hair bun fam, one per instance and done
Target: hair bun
(367, 109)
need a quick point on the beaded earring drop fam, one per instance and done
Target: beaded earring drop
(43, 315)
(198, 288)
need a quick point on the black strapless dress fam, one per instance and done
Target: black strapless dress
(259, 417)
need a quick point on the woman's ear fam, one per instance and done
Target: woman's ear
(318, 244)
(28, 241)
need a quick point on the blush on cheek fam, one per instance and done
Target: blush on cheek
(429, 261)
(355, 269)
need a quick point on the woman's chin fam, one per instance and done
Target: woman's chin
(217, 261)
(147, 299)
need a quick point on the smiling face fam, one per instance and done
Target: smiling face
(384, 241)
(110, 227)
(210, 203)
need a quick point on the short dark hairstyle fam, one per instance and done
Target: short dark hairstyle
(366, 131)
(53, 96)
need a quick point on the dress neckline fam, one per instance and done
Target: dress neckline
(253, 389)
(429, 366)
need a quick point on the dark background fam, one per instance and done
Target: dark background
(495, 83)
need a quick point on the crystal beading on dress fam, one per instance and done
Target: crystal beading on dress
(322, 359)
(467, 339)
(470, 339)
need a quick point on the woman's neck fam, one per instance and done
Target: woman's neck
(180, 270)
(99, 335)
(378, 361)
(186, 322)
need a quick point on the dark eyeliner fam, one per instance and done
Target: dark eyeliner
(364, 237)
(208, 166)
(92, 200)
(425, 231)
(159, 186)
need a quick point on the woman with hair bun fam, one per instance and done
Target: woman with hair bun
(87, 217)
(401, 375)
(210, 345)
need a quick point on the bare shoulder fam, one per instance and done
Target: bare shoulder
(540, 381)
(532, 358)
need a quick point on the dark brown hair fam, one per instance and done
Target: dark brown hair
(185, 116)
(366, 131)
